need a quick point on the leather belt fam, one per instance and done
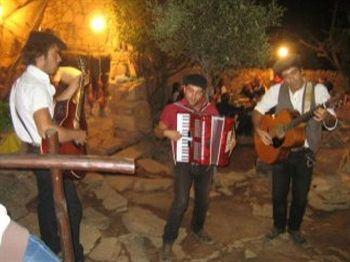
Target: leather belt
(299, 149)
(32, 148)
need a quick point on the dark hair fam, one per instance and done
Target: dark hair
(283, 64)
(196, 80)
(39, 43)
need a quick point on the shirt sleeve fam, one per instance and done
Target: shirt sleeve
(322, 96)
(269, 99)
(40, 99)
(167, 117)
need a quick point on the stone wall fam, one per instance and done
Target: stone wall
(71, 19)
(130, 108)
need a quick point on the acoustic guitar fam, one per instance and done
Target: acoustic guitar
(70, 114)
(287, 130)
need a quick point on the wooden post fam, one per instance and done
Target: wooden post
(61, 210)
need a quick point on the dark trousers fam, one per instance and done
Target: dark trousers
(185, 175)
(296, 170)
(47, 216)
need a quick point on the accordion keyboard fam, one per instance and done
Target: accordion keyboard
(182, 145)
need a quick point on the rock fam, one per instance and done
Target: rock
(321, 183)
(337, 198)
(231, 178)
(225, 191)
(89, 235)
(101, 191)
(111, 200)
(30, 222)
(342, 253)
(144, 223)
(92, 178)
(136, 151)
(94, 218)
(148, 185)
(330, 160)
(115, 202)
(22, 185)
(121, 183)
(135, 246)
(107, 250)
(154, 167)
(248, 254)
(264, 210)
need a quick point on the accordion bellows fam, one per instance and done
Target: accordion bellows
(206, 140)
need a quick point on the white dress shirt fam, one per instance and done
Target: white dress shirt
(31, 91)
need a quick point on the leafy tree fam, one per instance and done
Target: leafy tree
(216, 35)
(169, 35)
(135, 25)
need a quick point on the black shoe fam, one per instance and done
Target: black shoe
(203, 237)
(297, 237)
(275, 232)
(165, 253)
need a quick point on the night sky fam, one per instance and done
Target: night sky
(305, 19)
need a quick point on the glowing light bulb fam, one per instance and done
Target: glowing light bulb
(98, 24)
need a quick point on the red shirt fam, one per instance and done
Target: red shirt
(169, 114)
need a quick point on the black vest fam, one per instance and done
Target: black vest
(313, 128)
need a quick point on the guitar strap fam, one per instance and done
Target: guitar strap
(308, 97)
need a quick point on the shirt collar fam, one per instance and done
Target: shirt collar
(184, 102)
(299, 91)
(38, 73)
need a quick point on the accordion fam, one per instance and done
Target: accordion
(206, 140)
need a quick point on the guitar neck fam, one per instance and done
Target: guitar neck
(80, 96)
(305, 117)
(301, 119)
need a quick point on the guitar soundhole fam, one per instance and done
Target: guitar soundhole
(277, 142)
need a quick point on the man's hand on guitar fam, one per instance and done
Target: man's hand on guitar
(264, 136)
(320, 114)
(80, 137)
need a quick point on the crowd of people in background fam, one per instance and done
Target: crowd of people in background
(240, 107)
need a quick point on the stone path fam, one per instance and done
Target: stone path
(124, 216)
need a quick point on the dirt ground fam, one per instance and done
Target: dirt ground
(233, 222)
(239, 234)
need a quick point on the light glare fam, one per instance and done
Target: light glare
(283, 51)
(98, 24)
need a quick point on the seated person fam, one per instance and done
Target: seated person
(17, 244)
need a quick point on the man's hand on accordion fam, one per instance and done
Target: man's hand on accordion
(232, 142)
(172, 134)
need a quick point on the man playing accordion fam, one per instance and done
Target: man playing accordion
(187, 173)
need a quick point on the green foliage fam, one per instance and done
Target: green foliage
(5, 119)
(134, 20)
(217, 35)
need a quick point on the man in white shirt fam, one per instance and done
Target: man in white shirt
(297, 167)
(32, 106)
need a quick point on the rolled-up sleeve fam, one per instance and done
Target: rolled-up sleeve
(321, 97)
(269, 99)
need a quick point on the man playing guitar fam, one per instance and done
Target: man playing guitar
(294, 93)
(32, 107)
